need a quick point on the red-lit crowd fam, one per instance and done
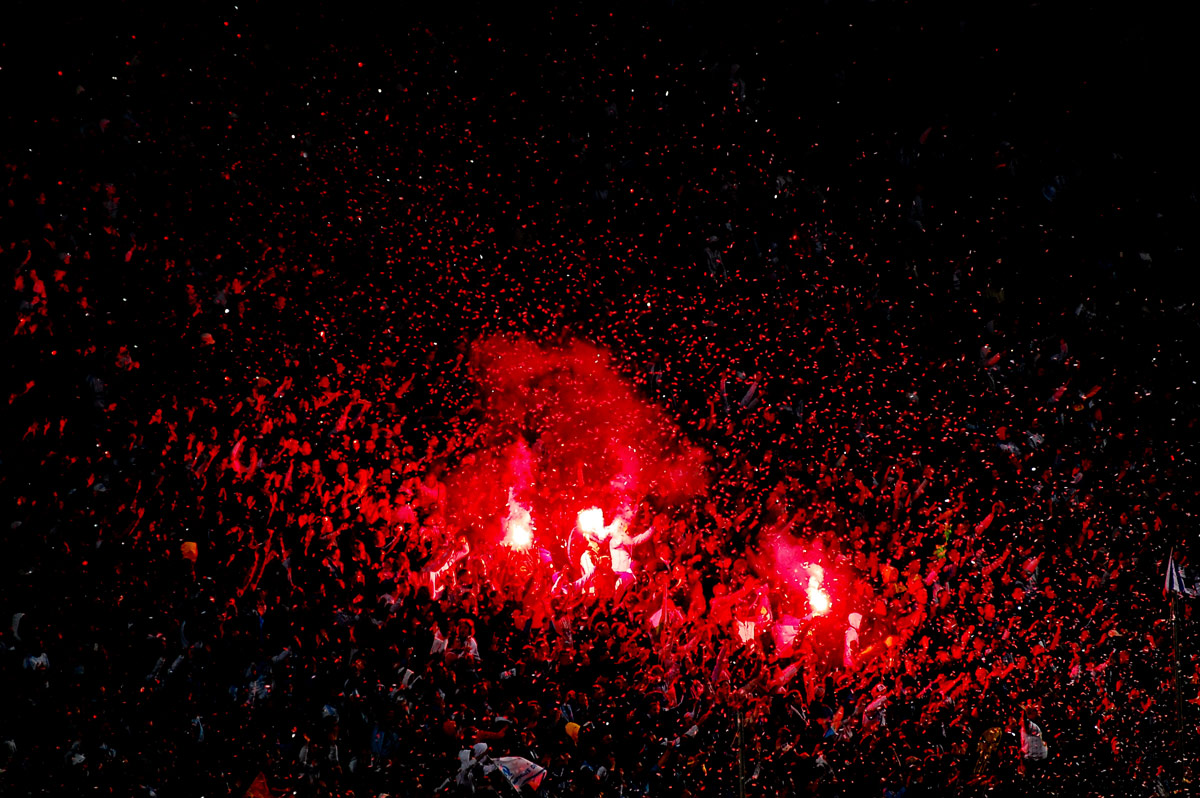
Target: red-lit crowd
(239, 389)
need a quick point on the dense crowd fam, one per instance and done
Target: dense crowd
(249, 281)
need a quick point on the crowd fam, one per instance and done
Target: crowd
(947, 374)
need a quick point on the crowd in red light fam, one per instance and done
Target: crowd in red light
(471, 412)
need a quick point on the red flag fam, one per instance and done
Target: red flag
(258, 788)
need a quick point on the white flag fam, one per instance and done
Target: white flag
(520, 771)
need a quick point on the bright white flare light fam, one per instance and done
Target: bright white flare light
(818, 599)
(518, 526)
(591, 521)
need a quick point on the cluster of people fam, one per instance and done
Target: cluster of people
(247, 292)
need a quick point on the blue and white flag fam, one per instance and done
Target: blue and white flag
(1177, 580)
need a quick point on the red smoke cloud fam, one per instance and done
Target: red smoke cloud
(797, 566)
(562, 430)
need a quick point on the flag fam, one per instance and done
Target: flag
(786, 629)
(520, 771)
(258, 788)
(1177, 581)
(666, 615)
(765, 615)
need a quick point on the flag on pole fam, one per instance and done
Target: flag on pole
(1177, 581)
(520, 771)
(765, 615)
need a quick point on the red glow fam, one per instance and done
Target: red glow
(796, 565)
(562, 431)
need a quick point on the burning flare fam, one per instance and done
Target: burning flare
(591, 522)
(818, 599)
(518, 525)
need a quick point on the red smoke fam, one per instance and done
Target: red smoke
(798, 567)
(563, 431)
